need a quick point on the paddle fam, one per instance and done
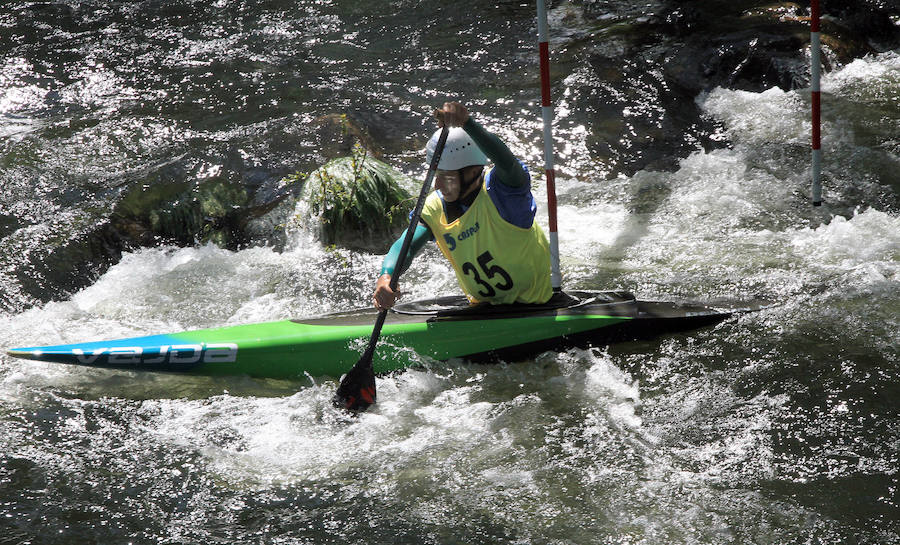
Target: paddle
(357, 389)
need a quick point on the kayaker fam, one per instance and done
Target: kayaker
(481, 219)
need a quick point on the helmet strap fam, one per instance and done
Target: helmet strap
(454, 209)
(463, 185)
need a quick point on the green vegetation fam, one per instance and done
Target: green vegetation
(358, 201)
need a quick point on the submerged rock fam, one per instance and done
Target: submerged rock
(338, 134)
(189, 200)
(52, 260)
(210, 196)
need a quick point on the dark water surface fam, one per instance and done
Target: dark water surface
(775, 427)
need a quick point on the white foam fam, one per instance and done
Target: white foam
(871, 238)
(587, 233)
(185, 286)
(771, 116)
(614, 391)
(869, 77)
(261, 441)
(718, 190)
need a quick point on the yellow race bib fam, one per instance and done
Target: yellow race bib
(494, 260)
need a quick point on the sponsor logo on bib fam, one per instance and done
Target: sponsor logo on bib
(468, 233)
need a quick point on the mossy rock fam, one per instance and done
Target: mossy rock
(209, 212)
(184, 212)
(169, 202)
(358, 201)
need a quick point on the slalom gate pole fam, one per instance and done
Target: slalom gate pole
(547, 114)
(815, 70)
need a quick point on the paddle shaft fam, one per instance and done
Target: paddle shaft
(407, 242)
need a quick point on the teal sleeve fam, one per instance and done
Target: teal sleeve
(421, 236)
(509, 170)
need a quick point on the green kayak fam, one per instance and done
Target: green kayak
(437, 329)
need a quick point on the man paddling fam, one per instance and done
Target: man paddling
(482, 220)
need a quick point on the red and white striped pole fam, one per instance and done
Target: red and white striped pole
(815, 45)
(547, 114)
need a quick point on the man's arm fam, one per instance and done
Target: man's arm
(384, 297)
(421, 235)
(509, 184)
(508, 169)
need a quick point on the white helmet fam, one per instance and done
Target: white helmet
(459, 151)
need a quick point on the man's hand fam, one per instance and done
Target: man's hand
(453, 114)
(384, 297)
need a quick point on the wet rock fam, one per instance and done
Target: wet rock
(195, 200)
(645, 118)
(869, 21)
(752, 45)
(357, 201)
(337, 134)
(52, 260)
(764, 46)
(662, 55)
(190, 199)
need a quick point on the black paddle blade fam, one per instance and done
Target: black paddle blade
(357, 390)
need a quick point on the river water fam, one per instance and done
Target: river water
(779, 426)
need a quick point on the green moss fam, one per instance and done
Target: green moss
(358, 200)
(185, 212)
(218, 199)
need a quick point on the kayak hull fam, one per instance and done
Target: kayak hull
(438, 329)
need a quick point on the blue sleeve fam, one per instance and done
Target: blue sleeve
(421, 236)
(515, 204)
